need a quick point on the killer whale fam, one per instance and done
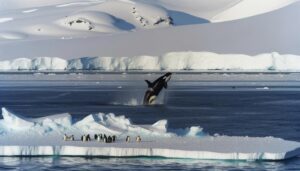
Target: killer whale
(155, 88)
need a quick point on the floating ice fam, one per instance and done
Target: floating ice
(21, 136)
(12, 121)
(94, 123)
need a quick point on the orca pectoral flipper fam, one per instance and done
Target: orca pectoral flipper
(148, 83)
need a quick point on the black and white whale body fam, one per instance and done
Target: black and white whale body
(155, 88)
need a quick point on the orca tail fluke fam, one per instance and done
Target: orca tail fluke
(148, 83)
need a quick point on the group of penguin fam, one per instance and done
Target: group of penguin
(99, 137)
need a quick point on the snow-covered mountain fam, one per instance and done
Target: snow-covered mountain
(90, 28)
(58, 18)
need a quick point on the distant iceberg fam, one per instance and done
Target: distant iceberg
(170, 61)
(21, 136)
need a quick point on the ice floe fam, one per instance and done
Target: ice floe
(20, 136)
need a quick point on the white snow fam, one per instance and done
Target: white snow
(137, 14)
(12, 35)
(227, 9)
(249, 8)
(143, 63)
(170, 61)
(90, 21)
(221, 10)
(194, 131)
(14, 122)
(21, 136)
(47, 63)
(29, 11)
(149, 15)
(76, 28)
(20, 64)
(77, 3)
(3, 20)
(5, 65)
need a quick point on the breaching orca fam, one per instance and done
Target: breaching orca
(155, 88)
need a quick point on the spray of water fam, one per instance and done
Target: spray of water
(137, 100)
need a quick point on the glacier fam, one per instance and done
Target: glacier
(21, 136)
(171, 61)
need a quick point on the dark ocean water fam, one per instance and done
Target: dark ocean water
(243, 110)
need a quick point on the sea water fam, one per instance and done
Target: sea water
(242, 110)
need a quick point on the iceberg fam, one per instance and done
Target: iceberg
(171, 61)
(15, 122)
(20, 136)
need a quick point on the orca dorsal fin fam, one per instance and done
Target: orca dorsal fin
(148, 83)
(166, 85)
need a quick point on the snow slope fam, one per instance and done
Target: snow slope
(274, 31)
(245, 8)
(139, 31)
(226, 9)
(17, 134)
(223, 10)
(82, 18)
(21, 4)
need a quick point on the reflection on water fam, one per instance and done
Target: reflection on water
(94, 163)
